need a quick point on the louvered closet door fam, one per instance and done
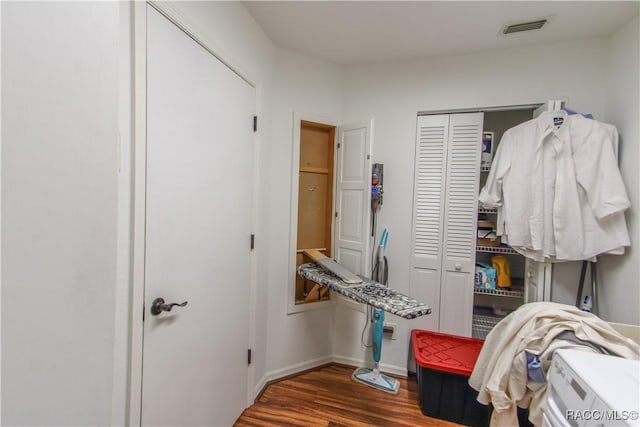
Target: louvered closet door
(428, 199)
(461, 208)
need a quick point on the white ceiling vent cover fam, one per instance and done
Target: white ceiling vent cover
(519, 27)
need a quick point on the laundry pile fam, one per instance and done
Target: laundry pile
(511, 369)
(558, 190)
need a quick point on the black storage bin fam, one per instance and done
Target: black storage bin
(444, 364)
(449, 397)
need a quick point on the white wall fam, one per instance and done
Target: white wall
(59, 197)
(618, 276)
(66, 200)
(63, 199)
(393, 93)
(303, 85)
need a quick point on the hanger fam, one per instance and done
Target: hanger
(554, 113)
(558, 116)
(571, 113)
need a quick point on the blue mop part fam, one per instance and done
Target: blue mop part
(373, 377)
(379, 272)
(383, 244)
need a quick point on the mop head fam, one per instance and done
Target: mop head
(376, 379)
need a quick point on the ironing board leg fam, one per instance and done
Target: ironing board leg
(594, 286)
(583, 272)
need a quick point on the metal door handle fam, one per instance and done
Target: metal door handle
(158, 306)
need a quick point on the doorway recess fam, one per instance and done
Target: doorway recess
(315, 202)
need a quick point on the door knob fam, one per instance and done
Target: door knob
(158, 306)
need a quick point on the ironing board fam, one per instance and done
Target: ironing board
(367, 292)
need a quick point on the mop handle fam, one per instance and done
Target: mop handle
(377, 329)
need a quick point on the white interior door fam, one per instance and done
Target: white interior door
(432, 134)
(353, 197)
(199, 201)
(461, 214)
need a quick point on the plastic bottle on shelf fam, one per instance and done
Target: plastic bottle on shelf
(503, 273)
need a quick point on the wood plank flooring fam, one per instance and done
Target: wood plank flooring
(328, 397)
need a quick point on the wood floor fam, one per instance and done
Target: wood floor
(329, 397)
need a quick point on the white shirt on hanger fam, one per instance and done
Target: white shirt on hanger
(558, 190)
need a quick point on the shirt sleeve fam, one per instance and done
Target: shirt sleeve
(491, 195)
(597, 172)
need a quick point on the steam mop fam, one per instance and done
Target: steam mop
(373, 377)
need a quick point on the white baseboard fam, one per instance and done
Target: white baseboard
(394, 370)
(353, 361)
(259, 386)
(289, 370)
(350, 361)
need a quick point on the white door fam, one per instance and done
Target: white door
(460, 217)
(353, 197)
(447, 165)
(199, 201)
(432, 134)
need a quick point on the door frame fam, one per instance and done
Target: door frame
(336, 298)
(139, 184)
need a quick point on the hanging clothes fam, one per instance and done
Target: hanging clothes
(558, 190)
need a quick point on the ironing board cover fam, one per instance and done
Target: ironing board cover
(368, 292)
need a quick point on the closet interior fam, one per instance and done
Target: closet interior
(458, 261)
(491, 302)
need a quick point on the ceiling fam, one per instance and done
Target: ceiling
(357, 32)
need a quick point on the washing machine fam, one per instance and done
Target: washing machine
(589, 389)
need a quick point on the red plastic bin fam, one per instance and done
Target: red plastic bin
(444, 364)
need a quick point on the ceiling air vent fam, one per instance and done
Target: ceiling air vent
(523, 26)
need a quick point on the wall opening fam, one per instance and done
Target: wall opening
(315, 202)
